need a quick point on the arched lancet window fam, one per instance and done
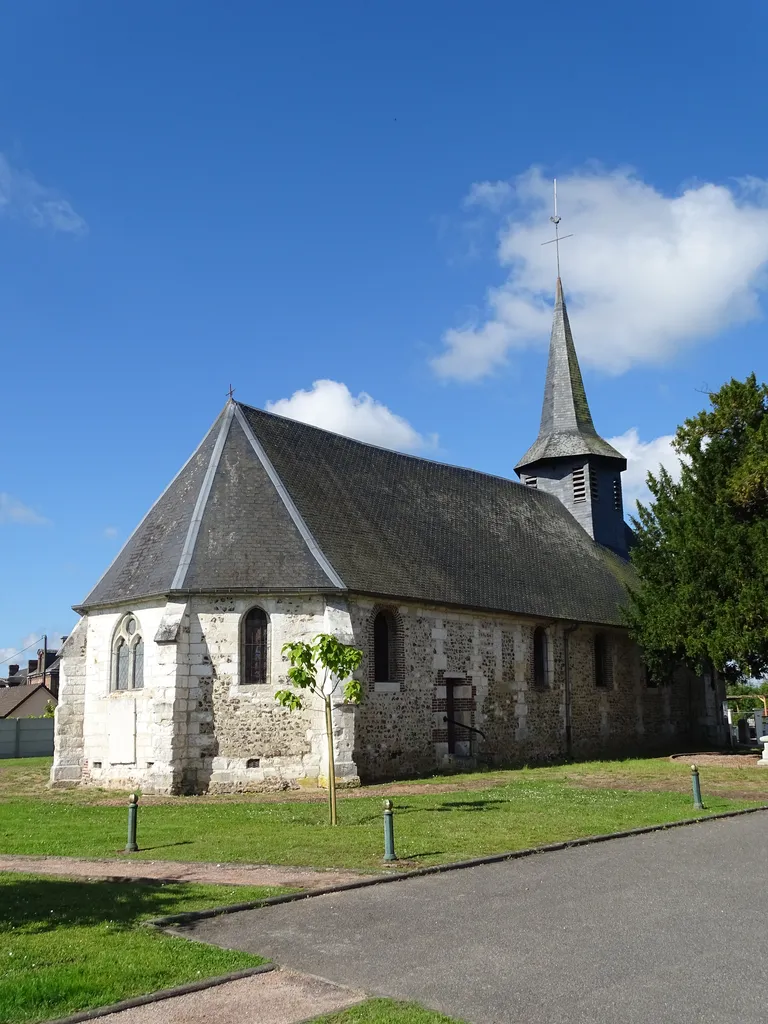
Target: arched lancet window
(127, 656)
(138, 664)
(540, 657)
(382, 647)
(603, 672)
(254, 641)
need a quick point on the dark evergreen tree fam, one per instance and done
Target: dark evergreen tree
(701, 550)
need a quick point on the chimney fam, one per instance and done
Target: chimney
(32, 666)
(12, 670)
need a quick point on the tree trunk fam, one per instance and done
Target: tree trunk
(331, 761)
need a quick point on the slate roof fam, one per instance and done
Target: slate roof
(566, 423)
(270, 504)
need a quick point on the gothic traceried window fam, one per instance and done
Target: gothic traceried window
(122, 665)
(138, 664)
(127, 656)
(254, 647)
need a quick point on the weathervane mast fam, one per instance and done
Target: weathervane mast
(555, 218)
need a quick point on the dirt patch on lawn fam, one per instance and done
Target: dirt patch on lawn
(176, 871)
(710, 760)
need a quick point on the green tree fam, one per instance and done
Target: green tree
(336, 662)
(702, 543)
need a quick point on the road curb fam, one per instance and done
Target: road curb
(189, 916)
(166, 993)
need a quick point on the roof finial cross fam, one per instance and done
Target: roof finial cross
(555, 218)
(231, 392)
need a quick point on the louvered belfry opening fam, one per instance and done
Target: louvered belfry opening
(579, 485)
(255, 647)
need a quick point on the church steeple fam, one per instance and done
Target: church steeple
(566, 422)
(569, 458)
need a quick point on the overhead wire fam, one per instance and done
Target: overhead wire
(7, 661)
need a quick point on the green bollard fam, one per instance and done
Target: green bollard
(133, 810)
(697, 804)
(389, 833)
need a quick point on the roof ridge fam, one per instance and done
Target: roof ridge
(149, 511)
(202, 500)
(287, 500)
(379, 447)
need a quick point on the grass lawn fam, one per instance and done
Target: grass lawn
(385, 1011)
(71, 945)
(436, 820)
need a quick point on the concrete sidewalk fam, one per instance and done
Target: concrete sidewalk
(279, 997)
(178, 871)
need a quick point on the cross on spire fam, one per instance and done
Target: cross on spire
(555, 218)
(231, 392)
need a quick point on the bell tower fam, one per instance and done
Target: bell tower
(569, 458)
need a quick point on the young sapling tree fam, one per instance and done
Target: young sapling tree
(321, 668)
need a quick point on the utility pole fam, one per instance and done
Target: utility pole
(45, 655)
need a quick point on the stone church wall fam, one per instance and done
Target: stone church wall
(195, 728)
(401, 729)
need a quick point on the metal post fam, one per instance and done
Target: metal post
(697, 804)
(389, 832)
(133, 809)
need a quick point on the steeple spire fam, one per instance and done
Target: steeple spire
(566, 423)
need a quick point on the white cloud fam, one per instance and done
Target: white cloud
(491, 194)
(645, 275)
(644, 457)
(110, 531)
(27, 650)
(14, 511)
(24, 198)
(7, 654)
(330, 405)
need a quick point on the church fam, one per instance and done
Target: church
(489, 612)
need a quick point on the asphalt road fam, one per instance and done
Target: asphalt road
(663, 927)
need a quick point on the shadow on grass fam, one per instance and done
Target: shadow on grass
(468, 805)
(44, 904)
(420, 856)
(163, 846)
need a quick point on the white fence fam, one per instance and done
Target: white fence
(26, 737)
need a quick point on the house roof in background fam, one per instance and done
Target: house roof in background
(12, 697)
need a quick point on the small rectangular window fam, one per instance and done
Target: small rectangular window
(531, 481)
(603, 662)
(593, 487)
(579, 485)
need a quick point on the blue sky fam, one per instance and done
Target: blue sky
(269, 195)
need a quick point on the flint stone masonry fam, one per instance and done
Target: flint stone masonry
(195, 728)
